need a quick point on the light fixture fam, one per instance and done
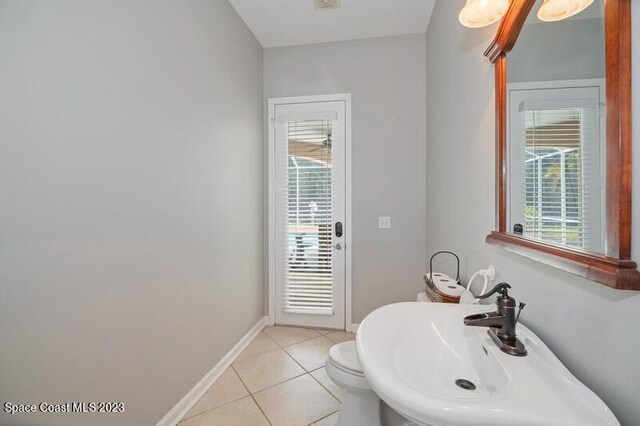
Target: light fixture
(326, 4)
(480, 13)
(556, 10)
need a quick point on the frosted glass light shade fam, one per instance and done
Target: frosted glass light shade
(557, 10)
(480, 13)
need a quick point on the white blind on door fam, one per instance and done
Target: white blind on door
(556, 164)
(308, 284)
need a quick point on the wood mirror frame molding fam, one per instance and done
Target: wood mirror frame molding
(615, 269)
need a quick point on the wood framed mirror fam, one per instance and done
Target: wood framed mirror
(603, 255)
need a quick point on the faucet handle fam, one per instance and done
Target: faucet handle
(521, 307)
(502, 288)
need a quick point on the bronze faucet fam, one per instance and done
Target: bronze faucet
(501, 322)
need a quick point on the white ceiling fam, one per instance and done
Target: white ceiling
(293, 22)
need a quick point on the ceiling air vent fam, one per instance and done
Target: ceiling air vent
(326, 4)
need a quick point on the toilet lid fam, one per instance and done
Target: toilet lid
(344, 355)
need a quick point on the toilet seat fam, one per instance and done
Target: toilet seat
(343, 356)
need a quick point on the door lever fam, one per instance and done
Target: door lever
(338, 229)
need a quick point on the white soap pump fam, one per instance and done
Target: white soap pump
(489, 274)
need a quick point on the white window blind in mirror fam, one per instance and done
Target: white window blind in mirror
(555, 166)
(308, 284)
(555, 193)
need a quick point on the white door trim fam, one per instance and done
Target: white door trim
(272, 102)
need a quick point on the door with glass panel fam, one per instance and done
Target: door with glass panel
(309, 214)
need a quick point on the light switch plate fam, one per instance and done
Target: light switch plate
(384, 222)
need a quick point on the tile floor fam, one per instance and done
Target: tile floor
(278, 380)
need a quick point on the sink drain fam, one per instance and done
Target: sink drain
(465, 384)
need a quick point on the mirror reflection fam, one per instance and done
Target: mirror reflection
(556, 130)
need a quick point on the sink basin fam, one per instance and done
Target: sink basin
(414, 353)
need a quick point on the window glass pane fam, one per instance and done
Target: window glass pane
(554, 167)
(308, 286)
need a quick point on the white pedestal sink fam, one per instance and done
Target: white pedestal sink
(413, 353)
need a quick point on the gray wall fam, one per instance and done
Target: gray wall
(385, 77)
(592, 329)
(131, 190)
(565, 50)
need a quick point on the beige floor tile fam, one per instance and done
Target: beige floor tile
(321, 375)
(243, 412)
(300, 401)
(267, 370)
(311, 354)
(328, 421)
(258, 346)
(226, 389)
(285, 336)
(340, 336)
(324, 331)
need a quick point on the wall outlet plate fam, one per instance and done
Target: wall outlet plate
(384, 222)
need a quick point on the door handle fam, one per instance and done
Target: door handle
(338, 229)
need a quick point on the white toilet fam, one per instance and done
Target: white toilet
(360, 406)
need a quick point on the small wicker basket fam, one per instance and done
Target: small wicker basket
(431, 290)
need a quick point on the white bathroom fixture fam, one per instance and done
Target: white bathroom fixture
(360, 406)
(480, 13)
(557, 10)
(428, 366)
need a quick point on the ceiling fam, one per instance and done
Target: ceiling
(293, 22)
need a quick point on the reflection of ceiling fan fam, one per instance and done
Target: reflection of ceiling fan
(324, 145)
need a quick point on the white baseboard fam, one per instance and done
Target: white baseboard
(350, 327)
(189, 400)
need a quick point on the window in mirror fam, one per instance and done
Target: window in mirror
(563, 177)
(556, 163)
(556, 131)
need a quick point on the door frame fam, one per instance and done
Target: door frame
(272, 102)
